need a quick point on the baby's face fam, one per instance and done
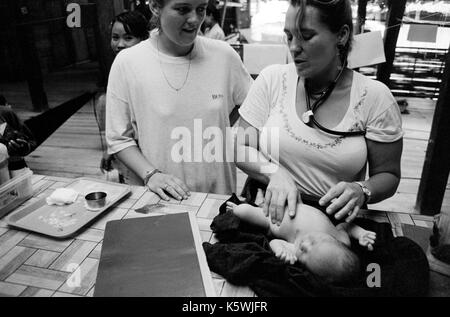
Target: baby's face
(317, 251)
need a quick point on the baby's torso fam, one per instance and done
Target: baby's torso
(307, 219)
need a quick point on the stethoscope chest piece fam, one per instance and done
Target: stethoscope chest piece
(306, 116)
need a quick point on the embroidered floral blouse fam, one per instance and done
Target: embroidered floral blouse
(317, 160)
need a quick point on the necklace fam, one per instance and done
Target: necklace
(164, 74)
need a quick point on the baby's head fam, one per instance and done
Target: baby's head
(327, 257)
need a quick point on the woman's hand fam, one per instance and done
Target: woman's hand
(161, 183)
(280, 191)
(106, 162)
(18, 147)
(345, 200)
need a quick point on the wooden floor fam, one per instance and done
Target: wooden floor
(75, 149)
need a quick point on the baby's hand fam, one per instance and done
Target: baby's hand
(367, 239)
(283, 250)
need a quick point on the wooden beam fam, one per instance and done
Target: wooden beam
(393, 24)
(436, 167)
(102, 29)
(362, 11)
(118, 6)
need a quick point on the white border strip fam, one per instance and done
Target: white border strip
(208, 284)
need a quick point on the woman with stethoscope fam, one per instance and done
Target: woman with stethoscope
(331, 122)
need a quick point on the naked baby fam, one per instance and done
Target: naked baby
(313, 240)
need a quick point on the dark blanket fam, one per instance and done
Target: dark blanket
(243, 257)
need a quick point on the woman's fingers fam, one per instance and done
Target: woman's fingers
(173, 192)
(273, 207)
(165, 183)
(13, 145)
(280, 207)
(341, 206)
(181, 194)
(292, 202)
(332, 193)
(344, 206)
(344, 198)
(353, 214)
(183, 186)
(161, 194)
(266, 204)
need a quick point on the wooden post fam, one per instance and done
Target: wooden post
(102, 28)
(436, 167)
(118, 6)
(30, 59)
(70, 46)
(224, 13)
(393, 24)
(362, 6)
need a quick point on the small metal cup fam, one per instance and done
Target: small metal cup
(95, 200)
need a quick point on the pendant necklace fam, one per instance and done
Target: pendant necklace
(164, 74)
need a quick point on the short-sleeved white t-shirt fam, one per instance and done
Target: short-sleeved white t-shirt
(215, 33)
(180, 132)
(315, 159)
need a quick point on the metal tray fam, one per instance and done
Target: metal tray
(64, 221)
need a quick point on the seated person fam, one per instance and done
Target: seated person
(311, 239)
(17, 138)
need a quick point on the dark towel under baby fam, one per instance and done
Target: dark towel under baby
(243, 257)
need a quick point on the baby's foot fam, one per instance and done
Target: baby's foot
(283, 250)
(230, 206)
(367, 239)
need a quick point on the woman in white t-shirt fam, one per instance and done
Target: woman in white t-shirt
(329, 121)
(168, 105)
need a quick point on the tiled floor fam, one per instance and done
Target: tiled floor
(36, 265)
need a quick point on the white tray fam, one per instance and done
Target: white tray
(64, 221)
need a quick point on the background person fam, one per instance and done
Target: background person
(16, 137)
(212, 19)
(127, 29)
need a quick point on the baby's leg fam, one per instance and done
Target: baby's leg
(250, 214)
(289, 227)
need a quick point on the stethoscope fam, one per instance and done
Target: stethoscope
(308, 117)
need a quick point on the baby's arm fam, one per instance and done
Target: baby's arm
(366, 238)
